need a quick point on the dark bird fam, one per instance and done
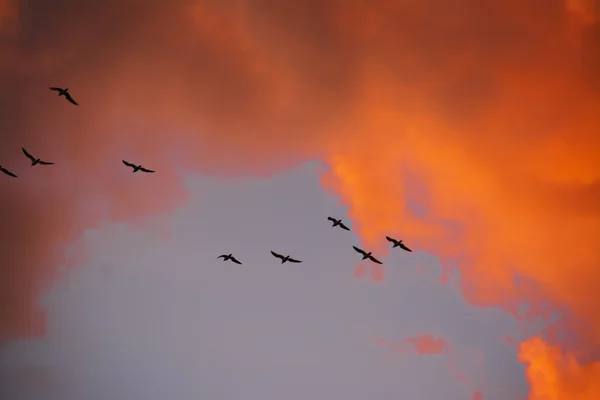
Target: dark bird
(137, 168)
(7, 172)
(397, 243)
(338, 222)
(367, 255)
(64, 92)
(227, 257)
(284, 259)
(34, 160)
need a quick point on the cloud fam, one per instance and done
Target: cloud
(428, 345)
(486, 113)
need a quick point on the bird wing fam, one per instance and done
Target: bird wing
(128, 164)
(32, 158)
(277, 255)
(146, 170)
(391, 239)
(235, 261)
(57, 89)
(361, 251)
(404, 247)
(222, 255)
(7, 172)
(375, 260)
(293, 260)
(45, 162)
(344, 226)
(331, 219)
(68, 96)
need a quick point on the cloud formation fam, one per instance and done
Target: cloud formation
(484, 112)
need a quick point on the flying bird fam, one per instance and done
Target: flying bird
(34, 160)
(227, 257)
(397, 243)
(338, 222)
(7, 172)
(137, 168)
(64, 92)
(284, 259)
(367, 255)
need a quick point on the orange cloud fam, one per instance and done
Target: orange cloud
(554, 374)
(426, 345)
(485, 113)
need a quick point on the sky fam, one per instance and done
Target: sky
(142, 316)
(471, 129)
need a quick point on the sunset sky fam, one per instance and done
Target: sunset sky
(468, 128)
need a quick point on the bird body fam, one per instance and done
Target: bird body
(367, 255)
(137, 168)
(7, 172)
(397, 243)
(338, 222)
(228, 257)
(64, 92)
(285, 259)
(35, 161)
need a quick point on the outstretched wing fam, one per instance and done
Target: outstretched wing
(361, 251)
(294, 261)
(32, 158)
(146, 170)
(221, 256)
(7, 172)
(331, 219)
(235, 261)
(128, 164)
(344, 226)
(404, 247)
(45, 162)
(277, 255)
(391, 239)
(56, 89)
(375, 260)
(68, 96)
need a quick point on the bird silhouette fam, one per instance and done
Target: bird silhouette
(7, 172)
(34, 160)
(367, 255)
(338, 222)
(64, 92)
(397, 243)
(137, 168)
(227, 257)
(284, 259)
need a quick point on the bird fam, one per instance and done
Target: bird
(227, 257)
(137, 168)
(64, 92)
(7, 172)
(397, 243)
(367, 255)
(284, 259)
(34, 160)
(338, 222)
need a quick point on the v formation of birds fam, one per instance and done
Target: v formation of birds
(226, 257)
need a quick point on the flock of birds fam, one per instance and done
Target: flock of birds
(336, 222)
(36, 161)
(225, 257)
